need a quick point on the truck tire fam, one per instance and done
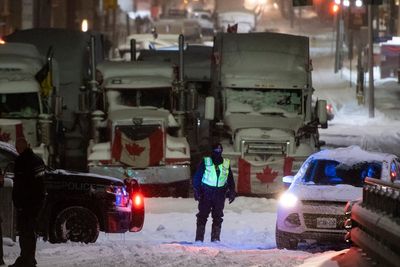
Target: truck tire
(283, 240)
(77, 224)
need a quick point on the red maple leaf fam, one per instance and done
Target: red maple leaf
(134, 149)
(267, 176)
(5, 137)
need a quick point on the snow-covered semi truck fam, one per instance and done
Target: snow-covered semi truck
(265, 118)
(143, 133)
(23, 110)
(75, 53)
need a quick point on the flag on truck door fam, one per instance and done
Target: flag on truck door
(138, 153)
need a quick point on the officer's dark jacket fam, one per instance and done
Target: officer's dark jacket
(197, 184)
(28, 189)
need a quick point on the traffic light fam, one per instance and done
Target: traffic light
(334, 8)
(302, 2)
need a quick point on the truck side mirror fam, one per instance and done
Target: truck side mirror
(322, 113)
(209, 108)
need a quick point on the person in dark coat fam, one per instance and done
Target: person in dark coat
(28, 197)
(212, 183)
(1, 232)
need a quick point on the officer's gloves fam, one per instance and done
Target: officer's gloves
(231, 196)
(197, 195)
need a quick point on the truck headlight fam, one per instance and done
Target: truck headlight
(288, 200)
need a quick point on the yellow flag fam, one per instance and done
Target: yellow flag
(46, 85)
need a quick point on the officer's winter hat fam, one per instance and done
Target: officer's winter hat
(217, 147)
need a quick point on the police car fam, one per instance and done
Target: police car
(79, 205)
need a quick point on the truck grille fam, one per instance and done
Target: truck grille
(262, 147)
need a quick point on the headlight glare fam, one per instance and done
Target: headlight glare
(288, 200)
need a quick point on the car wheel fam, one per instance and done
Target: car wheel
(77, 224)
(284, 240)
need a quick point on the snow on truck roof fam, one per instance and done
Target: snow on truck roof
(11, 64)
(264, 60)
(138, 82)
(113, 69)
(20, 49)
(17, 83)
(352, 155)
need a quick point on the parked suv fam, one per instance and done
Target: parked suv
(313, 206)
(79, 205)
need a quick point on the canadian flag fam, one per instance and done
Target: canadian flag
(10, 130)
(138, 153)
(258, 179)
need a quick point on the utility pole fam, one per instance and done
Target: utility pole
(339, 38)
(398, 22)
(371, 93)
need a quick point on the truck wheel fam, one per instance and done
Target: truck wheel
(283, 240)
(77, 224)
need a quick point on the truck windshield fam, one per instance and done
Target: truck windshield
(154, 97)
(287, 103)
(331, 172)
(21, 105)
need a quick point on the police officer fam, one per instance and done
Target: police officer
(212, 182)
(28, 197)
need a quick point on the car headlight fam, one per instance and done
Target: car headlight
(288, 200)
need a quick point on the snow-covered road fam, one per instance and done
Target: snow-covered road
(248, 239)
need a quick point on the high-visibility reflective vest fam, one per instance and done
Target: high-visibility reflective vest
(210, 174)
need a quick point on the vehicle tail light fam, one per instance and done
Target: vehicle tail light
(137, 200)
(329, 108)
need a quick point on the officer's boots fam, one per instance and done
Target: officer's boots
(201, 228)
(215, 233)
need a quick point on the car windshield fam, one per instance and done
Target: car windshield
(330, 172)
(155, 97)
(25, 105)
(266, 102)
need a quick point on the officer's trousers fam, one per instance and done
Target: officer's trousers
(212, 201)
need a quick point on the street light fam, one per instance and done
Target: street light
(84, 25)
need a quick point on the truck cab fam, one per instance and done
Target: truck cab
(21, 104)
(265, 119)
(142, 134)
